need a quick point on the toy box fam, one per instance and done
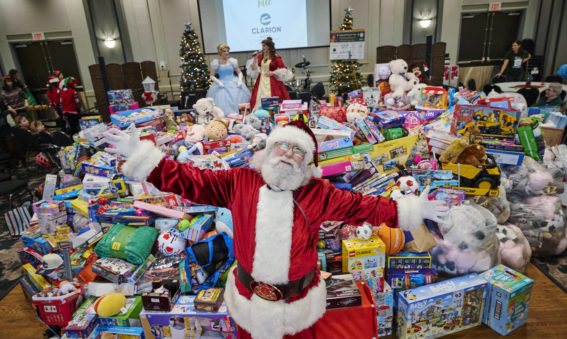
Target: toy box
(163, 296)
(365, 260)
(39, 244)
(492, 121)
(120, 97)
(198, 227)
(341, 167)
(409, 260)
(446, 307)
(129, 315)
(508, 299)
(506, 157)
(342, 292)
(434, 97)
(136, 116)
(334, 144)
(184, 321)
(209, 300)
(385, 310)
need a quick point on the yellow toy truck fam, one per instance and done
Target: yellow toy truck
(476, 180)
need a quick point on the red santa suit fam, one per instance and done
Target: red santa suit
(275, 231)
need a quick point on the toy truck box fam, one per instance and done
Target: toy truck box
(508, 299)
(443, 308)
(365, 260)
(409, 260)
(184, 321)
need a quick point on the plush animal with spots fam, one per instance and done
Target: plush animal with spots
(515, 250)
(171, 243)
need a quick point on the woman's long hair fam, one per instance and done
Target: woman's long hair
(268, 42)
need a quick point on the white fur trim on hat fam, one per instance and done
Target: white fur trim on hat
(317, 172)
(295, 136)
(265, 319)
(409, 213)
(146, 157)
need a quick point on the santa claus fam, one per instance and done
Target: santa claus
(277, 207)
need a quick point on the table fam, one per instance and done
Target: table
(512, 86)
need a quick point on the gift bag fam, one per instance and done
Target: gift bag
(419, 240)
(18, 220)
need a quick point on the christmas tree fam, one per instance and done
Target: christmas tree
(195, 72)
(346, 73)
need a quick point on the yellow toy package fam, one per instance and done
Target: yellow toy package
(365, 260)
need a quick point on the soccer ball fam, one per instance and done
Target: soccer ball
(408, 184)
(364, 232)
(171, 243)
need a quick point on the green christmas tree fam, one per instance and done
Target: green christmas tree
(195, 72)
(346, 73)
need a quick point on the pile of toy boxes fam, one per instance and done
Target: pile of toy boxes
(167, 290)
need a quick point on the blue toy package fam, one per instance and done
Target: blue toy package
(508, 299)
(442, 308)
(409, 261)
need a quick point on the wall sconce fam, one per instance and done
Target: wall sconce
(109, 42)
(425, 23)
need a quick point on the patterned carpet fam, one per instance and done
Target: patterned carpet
(555, 268)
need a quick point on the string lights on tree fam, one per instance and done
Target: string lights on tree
(346, 73)
(194, 70)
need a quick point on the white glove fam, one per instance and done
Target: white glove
(217, 81)
(124, 144)
(240, 79)
(434, 210)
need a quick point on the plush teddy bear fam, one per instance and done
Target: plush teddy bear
(356, 110)
(414, 93)
(253, 121)
(455, 149)
(195, 134)
(169, 119)
(399, 83)
(207, 111)
(247, 131)
(216, 130)
(185, 118)
(515, 250)
(472, 155)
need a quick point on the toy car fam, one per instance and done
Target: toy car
(477, 180)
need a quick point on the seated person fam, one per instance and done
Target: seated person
(551, 96)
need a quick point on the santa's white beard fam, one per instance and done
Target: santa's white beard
(282, 172)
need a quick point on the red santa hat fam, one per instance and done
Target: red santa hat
(297, 133)
(52, 80)
(359, 101)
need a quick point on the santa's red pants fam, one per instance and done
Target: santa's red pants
(308, 333)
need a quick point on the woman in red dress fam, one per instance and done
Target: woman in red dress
(272, 74)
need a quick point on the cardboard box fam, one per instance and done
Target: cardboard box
(209, 300)
(365, 260)
(129, 315)
(385, 310)
(446, 307)
(506, 157)
(409, 260)
(508, 299)
(184, 321)
(341, 167)
(161, 299)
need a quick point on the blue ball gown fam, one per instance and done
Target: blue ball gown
(229, 96)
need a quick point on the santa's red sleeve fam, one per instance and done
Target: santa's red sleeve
(200, 186)
(355, 209)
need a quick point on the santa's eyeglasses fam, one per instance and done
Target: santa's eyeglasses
(284, 146)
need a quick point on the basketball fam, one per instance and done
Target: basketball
(392, 237)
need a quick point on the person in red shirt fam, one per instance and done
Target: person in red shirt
(70, 103)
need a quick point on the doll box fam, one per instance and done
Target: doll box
(508, 299)
(184, 321)
(365, 260)
(409, 260)
(442, 308)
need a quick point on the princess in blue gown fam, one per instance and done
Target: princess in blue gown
(227, 90)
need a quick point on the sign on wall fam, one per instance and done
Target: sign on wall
(37, 36)
(494, 6)
(347, 44)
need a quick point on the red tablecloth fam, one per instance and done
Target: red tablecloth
(350, 322)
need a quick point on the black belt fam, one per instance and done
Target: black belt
(274, 292)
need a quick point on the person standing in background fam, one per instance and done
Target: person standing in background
(14, 96)
(514, 60)
(17, 82)
(70, 104)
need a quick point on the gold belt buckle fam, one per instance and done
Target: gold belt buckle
(266, 291)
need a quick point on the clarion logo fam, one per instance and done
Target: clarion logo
(265, 19)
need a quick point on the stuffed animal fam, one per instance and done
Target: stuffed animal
(469, 243)
(109, 305)
(499, 205)
(399, 83)
(408, 185)
(169, 119)
(364, 232)
(185, 118)
(171, 243)
(245, 130)
(356, 110)
(207, 111)
(216, 130)
(515, 250)
(472, 155)
(253, 121)
(258, 143)
(382, 72)
(455, 149)
(195, 134)
(223, 221)
(414, 93)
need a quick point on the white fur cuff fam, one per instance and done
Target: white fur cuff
(253, 73)
(283, 74)
(409, 213)
(139, 166)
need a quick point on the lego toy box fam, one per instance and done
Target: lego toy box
(409, 260)
(184, 321)
(365, 260)
(443, 308)
(508, 299)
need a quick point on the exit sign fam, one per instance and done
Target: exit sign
(495, 6)
(38, 36)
